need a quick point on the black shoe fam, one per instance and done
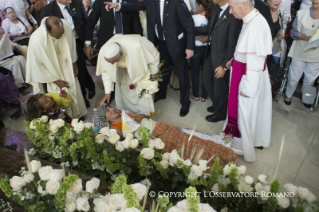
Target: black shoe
(22, 88)
(287, 102)
(215, 118)
(184, 111)
(210, 109)
(158, 98)
(87, 103)
(91, 94)
(259, 147)
(308, 106)
(112, 97)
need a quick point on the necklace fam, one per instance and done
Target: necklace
(314, 22)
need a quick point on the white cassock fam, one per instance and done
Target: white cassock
(255, 112)
(140, 58)
(50, 59)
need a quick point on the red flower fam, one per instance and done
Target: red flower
(132, 86)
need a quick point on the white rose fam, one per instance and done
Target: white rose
(28, 178)
(91, 185)
(205, 208)
(89, 125)
(74, 122)
(241, 170)
(45, 172)
(311, 198)
(187, 162)
(54, 128)
(226, 170)
(76, 186)
(51, 136)
(117, 201)
(140, 190)
(258, 187)
(133, 143)
(126, 144)
(82, 204)
(114, 138)
(17, 183)
(192, 176)
(52, 187)
(32, 124)
(60, 122)
(99, 138)
(174, 209)
(266, 188)
(147, 153)
(164, 164)
(105, 131)
(224, 210)
(71, 196)
(183, 205)
(197, 170)
(291, 188)
(119, 147)
(174, 156)
(131, 210)
(129, 136)
(159, 144)
(215, 187)
(249, 180)
(166, 156)
(75, 163)
(243, 187)
(262, 178)
(113, 132)
(151, 143)
(203, 164)
(283, 202)
(79, 127)
(35, 165)
(56, 174)
(44, 119)
(303, 193)
(41, 191)
(70, 206)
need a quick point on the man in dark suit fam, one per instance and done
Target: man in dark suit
(170, 27)
(73, 12)
(264, 9)
(223, 31)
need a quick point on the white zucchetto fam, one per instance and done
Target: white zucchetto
(111, 50)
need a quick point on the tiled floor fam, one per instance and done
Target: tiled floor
(299, 162)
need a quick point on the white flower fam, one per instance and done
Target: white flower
(311, 198)
(197, 170)
(140, 190)
(129, 136)
(258, 187)
(32, 124)
(74, 122)
(71, 196)
(227, 168)
(28, 178)
(147, 153)
(192, 176)
(187, 162)
(41, 191)
(283, 202)
(133, 143)
(45, 172)
(105, 131)
(303, 193)
(131, 210)
(224, 210)
(147, 183)
(17, 183)
(79, 127)
(183, 205)
(35, 165)
(76, 186)
(203, 164)
(56, 174)
(291, 188)
(241, 170)
(44, 119)
(166, 156)
(102, 204)
(119, 147)
(70, 206)
(174, 209)
(54, 128)
(75, 163)
(262, 178)
(205, 208)
(52, 187)
(174, 156)
(126, 144)
(159, 144)
(151, 143)
(215, 187)
(59, 122)
(113, 137)
(249, 180)
(91, 185)
(117, 201)
(51, 136)
(82, 204)
(99, 138)
(164, 164)
(89, 125)
(243, 187)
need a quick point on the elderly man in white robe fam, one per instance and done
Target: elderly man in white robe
(52, 60)
(250, 100)
(124, 60)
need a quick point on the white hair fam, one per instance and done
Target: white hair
(111, 50)
(249, 2)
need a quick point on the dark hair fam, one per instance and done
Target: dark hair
(35, 110)
(208, 6)
(5, 10)
(55, 22)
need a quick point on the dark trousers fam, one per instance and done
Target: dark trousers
(180, 67)
(84, 77)
(196, 61)
(217, 89)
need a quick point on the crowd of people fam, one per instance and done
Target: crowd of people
(229, 46)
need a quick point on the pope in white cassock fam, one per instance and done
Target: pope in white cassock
(124, 60)
(52, 60)
(250, 100)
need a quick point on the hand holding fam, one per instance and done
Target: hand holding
(228, 64)
(109, 5)
(219, 72)
(244, 95)
(61, 84)
(89, 52)
(189, 53)
(106, 98)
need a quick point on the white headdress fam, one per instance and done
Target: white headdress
(111, 50)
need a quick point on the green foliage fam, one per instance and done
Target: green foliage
(271, 203)
(130, 196)
(300, 208)
(215, 171)
(233, 177)
(117, 186)
(192, 199)
(142, 166)
(163, 202)
(5, 187)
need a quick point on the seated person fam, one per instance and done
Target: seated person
(173, 137)
(8, 91)
(50, 104)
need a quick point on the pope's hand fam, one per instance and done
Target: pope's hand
(109, 5)
(154, 76)
(89, 52)
(244, 95)
(189, 53)
(106, 98)
(138, 118)
(228, 64)
(61, 84)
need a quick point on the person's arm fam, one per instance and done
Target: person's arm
(137, 26)
(128, 7)
(202, 30)
(84, 15)
(295, 34)
(75, 69)
(108, 88)
(89, 29)
(29, 30)
(1, 15)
